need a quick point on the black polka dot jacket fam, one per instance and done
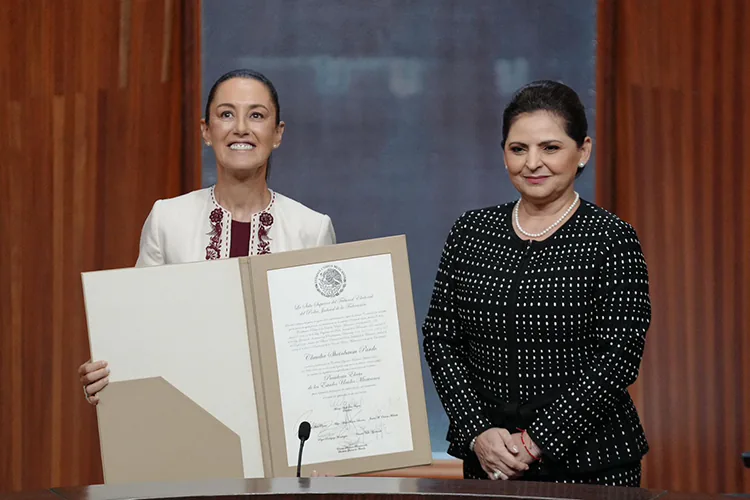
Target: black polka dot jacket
(512, 322)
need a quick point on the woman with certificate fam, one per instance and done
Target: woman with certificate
(539, 315)
(239, 215)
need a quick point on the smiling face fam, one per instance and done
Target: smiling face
(241, 126)
(542, 159)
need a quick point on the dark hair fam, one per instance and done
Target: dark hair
(250, 75)
(554, 97)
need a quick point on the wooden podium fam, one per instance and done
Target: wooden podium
(354, 488)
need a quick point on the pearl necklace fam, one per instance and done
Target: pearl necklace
(554, 224)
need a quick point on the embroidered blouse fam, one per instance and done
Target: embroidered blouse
(258, 241)
(194, 227)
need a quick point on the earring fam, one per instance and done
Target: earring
(275, 146)
(506, 167)
(581, 165)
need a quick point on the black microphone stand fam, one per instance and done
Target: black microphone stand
(303, 433)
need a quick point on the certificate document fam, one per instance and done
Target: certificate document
(216, 364)
(339, 357)
(337, 347)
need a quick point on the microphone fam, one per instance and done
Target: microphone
(304, 434)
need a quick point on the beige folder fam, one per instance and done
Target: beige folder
(194, 386)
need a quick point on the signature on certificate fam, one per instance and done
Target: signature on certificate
(352, 426)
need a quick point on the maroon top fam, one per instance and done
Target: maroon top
(240, 244)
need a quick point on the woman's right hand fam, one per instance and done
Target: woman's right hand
(94, 377)
(497, 452)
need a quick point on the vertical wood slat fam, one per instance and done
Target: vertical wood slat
(605, 105)
(727, 259)
(190, 67)
(709, 156)
(166, 49)
(689, 181)
(58, 269)
(742, 222)
(679, 118)
(126, 9)
(14, 297)
(84, 158)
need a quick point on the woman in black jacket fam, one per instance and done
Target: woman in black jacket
(539, 314)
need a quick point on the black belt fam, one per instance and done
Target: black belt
(515, 415)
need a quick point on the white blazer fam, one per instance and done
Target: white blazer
(194, 227)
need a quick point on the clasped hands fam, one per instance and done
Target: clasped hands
(503, 455)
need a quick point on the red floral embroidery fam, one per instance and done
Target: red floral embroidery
(216, 216)
(264, 244)
(266, 219)
(213, 250)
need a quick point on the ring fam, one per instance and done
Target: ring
(496, 474)
(86, 394)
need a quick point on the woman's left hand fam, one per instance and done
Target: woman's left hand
(519, 439)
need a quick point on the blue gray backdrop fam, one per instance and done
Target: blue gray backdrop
(393, 108)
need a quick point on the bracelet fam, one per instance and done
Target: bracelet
(523, 431)
(471, 444)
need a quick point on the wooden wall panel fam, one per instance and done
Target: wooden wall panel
(673, 119)
(99, 105)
